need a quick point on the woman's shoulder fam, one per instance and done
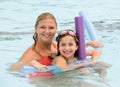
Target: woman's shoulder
(29, 50)
(28, 54)
(54, 47)
(54, 43)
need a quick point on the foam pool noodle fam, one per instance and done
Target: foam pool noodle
(81, 39)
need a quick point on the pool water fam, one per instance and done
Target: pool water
(17, 19)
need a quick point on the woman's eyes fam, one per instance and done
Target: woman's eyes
(43, 27)
(70, 44)
(51, 27)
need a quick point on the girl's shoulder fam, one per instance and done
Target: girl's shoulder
(59, 59)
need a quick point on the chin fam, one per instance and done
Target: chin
(47, 41)
(66, 56)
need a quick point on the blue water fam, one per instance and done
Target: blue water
(17, 19)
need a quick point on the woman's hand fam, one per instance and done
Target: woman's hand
(36, 64)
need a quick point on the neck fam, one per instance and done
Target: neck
(43, 49)
(70, 59)
(43, 46)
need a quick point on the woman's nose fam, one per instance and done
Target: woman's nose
(47, 30)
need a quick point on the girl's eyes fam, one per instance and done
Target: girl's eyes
(70, 44)
(63, 44)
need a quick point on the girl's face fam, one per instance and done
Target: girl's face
(46, 30)
(67, 46)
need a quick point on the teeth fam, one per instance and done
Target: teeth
(47, 35)
(67, 51)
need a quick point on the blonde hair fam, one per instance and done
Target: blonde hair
(41, 17)
(45, 16)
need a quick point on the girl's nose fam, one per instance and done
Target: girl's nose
(66, 47)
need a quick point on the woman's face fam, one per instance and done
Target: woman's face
(46, 30)
(67, 46)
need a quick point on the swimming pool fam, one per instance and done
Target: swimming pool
(16, 28)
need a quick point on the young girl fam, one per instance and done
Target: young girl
(67, 44)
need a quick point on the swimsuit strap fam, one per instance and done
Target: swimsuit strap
(54, 45)
(38, 53)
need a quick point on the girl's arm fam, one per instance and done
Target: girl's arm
(94, 43)
(94, 54)
(62, 64)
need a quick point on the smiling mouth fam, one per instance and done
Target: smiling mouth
(67, 52)
(47, 36)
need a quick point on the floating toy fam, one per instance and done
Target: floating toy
(89, 26)
(33, 72)
(81, 38)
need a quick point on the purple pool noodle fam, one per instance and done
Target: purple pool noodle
(81, 39)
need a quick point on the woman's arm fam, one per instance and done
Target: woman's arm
(36, 64)
(16, 66)
(24, 60)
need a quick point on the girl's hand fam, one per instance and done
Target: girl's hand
(87, 63)
(94, 43)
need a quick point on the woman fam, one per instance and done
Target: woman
(44, 46)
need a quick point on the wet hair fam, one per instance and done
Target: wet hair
(41, 17)
(61, 36)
